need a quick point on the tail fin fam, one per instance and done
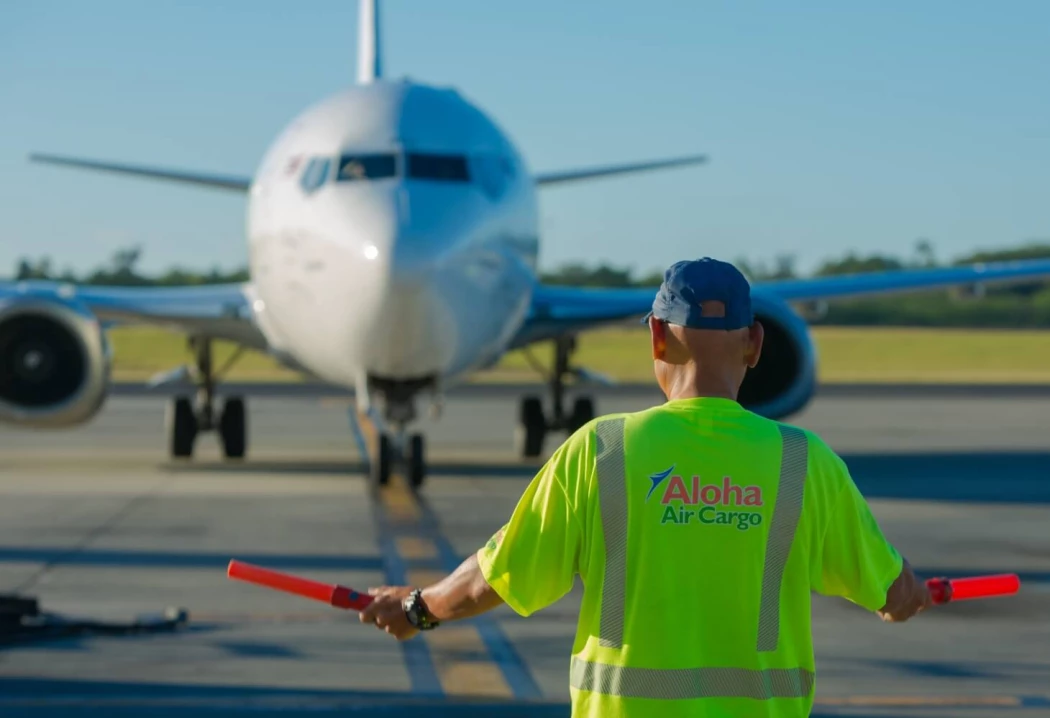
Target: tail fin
(369, 55)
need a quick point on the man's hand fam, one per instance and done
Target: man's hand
(460, 595)
(907, 597)
(387, 613)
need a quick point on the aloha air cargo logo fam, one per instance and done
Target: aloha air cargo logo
(724, 503)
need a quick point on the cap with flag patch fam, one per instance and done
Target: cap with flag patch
(689, 283)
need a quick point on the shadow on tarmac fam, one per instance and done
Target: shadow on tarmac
(216, 561)
(41, 697)
(212, 560)
(352, 468)
(993, 477)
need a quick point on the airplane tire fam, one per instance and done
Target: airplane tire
(233, 428)
(582, 412)
(182, 427)
(532, 427)
(382, 462)
(416, 461)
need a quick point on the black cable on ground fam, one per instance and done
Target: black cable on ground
(22, 621)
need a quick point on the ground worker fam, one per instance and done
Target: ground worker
(699, 530)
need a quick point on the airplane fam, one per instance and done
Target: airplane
(392, 234)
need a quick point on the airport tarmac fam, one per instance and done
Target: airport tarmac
(96, 522)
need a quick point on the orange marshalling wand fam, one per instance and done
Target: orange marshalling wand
(943, 590)
(330, 593)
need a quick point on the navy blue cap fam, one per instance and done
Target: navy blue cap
(689, 283)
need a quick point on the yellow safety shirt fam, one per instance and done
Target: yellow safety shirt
(699, 529)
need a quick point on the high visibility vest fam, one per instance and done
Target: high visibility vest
(699, 530)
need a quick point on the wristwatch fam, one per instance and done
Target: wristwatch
(417, 613)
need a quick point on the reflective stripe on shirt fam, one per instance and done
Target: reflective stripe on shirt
(612, 493)
(682, 683)
(786, 512)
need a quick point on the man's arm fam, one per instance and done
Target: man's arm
(856, 561)
(462, 594)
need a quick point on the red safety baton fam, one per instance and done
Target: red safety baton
(943, 590)
(330, 593)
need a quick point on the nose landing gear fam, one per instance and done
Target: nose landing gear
(533, 424)
(407, 449)
(394, 444)
(187, 418)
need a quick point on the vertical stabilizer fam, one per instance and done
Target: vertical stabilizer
(369, 66)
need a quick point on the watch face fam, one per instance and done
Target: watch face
(412, 609)
(415, 612)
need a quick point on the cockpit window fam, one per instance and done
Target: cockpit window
(444, 168)
(492, 172)
(360, 167)
(315, 174)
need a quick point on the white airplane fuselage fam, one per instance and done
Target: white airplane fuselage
(393, 233)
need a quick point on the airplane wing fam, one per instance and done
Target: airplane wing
(242, 184)
(559, 310)
(898, 282)
(545, 179)
(222, 311)
(227, 182)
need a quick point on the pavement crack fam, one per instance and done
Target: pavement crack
(91, 536)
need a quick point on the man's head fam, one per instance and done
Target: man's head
(704, 334)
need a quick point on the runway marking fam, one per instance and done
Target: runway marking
(460, 655)
(464, 665)
(418, 661)
(415, 548)
(356, 419)
(514, 670)
(408, 528)
(424, 576)
(400, 504)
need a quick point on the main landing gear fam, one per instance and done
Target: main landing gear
(533, 424)
(189, 417)
(394, 444)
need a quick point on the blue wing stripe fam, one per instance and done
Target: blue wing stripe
(222, 311)
(557, 310)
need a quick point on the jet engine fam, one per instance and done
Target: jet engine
(54, 362)
(784, 379)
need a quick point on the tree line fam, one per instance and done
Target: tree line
(1019, 306)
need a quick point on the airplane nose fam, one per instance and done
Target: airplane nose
(410, 250)
(390, 237)
(422, 241)
(371, 226)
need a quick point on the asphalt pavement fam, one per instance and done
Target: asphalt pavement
(97, 524)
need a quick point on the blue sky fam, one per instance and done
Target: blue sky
(831, 126)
